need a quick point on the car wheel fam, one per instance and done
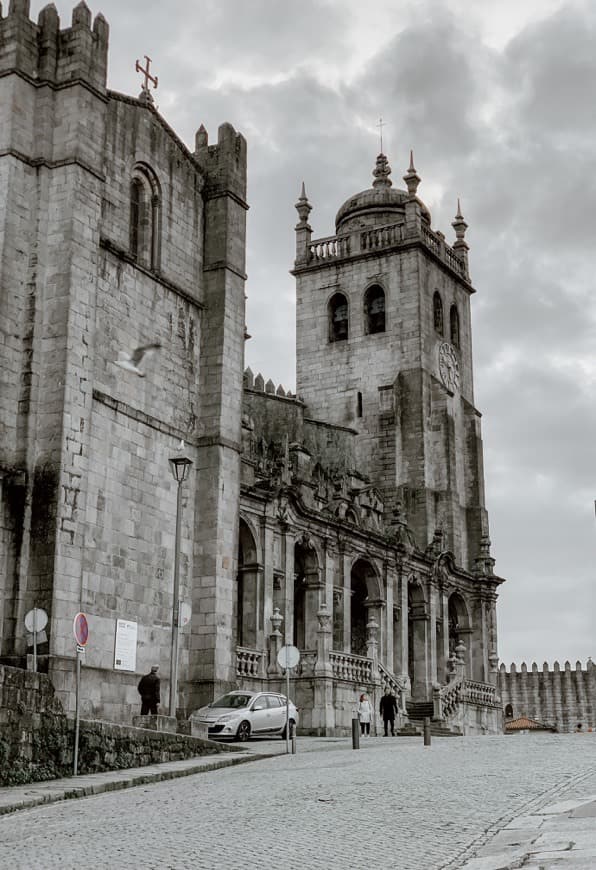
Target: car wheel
(243, 732)
(292, 726)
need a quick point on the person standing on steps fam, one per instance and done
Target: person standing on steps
(388, 710)
(365, 715)
(148, 689)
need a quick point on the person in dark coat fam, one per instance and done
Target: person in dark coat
(388, 709)
(149, 691)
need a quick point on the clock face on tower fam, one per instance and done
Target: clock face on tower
(448, 366)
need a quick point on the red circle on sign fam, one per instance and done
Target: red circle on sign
(80, 628)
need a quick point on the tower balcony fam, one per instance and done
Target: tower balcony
(370, 241)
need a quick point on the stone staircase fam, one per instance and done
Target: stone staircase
(418, 711)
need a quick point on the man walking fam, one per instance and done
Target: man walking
(388, 709)
(149, 691)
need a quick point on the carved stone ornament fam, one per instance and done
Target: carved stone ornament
(324, 617)
(305, 540)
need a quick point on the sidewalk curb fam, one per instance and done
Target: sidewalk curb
(517, 861)
(120, 784)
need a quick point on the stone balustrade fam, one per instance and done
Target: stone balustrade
(449, 698)
(354, 669)
(249, 662)
(330, 247)
(375, 238)
(379, 238)
(479, 693)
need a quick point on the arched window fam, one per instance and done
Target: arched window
(145, 217)
(338, 318)
(374, 310)
(454, 325)
(509, 712)
(438, 312)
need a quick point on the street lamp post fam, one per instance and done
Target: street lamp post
(180, 466)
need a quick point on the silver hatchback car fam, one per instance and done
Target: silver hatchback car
(240, 714)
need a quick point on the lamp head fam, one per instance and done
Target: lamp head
(180, 467)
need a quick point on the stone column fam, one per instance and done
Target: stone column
(345, 559)
(460, 653)
(387, 652)
(433, 607)
(275, 643)
(405, 672)
(323, 714)
(372, 652)
(445, 652)
(267, 557)
(484, 672)
(289, 590)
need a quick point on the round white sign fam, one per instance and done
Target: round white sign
(288, 657)
(36, 619)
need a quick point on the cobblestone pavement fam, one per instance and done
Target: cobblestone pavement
(393, 803)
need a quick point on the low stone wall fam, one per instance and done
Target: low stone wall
(37, 739)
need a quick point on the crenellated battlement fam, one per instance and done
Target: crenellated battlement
(46, 54)
(546, 668)
(224, 163)
(561, 695)
(257, 383)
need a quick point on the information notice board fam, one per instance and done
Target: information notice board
(125, 650)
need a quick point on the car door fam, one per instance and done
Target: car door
(277, 713)
(260, 714)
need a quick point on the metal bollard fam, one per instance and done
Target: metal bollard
(427, 731)
(356, 733)
(293, 737)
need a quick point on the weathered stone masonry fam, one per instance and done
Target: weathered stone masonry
(88, 503)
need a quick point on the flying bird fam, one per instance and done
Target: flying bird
(131, 361)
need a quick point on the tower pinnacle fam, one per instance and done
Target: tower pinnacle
(411, 177)
(381, 172)
(303, 206)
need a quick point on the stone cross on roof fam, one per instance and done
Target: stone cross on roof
(148, 77)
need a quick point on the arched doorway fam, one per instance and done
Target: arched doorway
(365, 595)
(306, 594)
(460, 628)
(249, 593)
(417, 640)
(459, 621)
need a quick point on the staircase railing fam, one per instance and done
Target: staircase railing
(480, 693)
(447, 699)
(355, 669)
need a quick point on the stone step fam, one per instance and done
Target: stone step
(437, 729)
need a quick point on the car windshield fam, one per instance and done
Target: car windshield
(232, 701)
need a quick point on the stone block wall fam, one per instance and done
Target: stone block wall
(93, 528)
(37, 739)
(559, 696)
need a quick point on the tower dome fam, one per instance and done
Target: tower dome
(378, 205)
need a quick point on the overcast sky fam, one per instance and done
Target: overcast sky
(498, 101)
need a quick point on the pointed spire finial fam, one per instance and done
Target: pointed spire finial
(381, 172)
(411, 177)
(303, 206)
(459, 224)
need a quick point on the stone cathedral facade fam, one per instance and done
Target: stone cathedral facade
(347, 519)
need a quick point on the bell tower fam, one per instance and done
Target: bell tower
(384, 346)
